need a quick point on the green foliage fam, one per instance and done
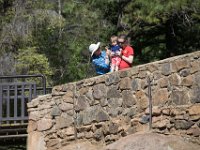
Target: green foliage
(31, 62)
(162, 28)
(44, 41)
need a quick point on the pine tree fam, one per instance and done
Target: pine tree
(161, 29)
(59, 32)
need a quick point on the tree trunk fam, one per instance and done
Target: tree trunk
(171, 41)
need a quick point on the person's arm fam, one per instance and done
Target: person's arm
(128, 59)
(107, 57)
(107, 60)
(102, 65)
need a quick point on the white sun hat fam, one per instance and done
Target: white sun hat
(94, 47)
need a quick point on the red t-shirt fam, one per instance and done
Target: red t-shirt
(127, 51)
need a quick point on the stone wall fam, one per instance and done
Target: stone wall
(106, 108)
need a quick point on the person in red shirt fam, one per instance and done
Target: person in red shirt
(127, 53)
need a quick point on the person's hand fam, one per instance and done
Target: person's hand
(112, 54)
(118, 53)
(107, 48)
(108, 52)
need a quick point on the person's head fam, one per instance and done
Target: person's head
(122, 40)
(113, 40)
(94, 49)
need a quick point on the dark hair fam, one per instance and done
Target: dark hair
(113, 38)
(124, 36)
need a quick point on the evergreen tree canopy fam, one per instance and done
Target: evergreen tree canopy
(52, 37)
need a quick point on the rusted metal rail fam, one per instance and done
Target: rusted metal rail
(150, 102)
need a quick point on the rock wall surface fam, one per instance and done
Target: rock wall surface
(105, 108)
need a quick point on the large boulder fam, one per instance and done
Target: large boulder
(152, 141)
(83, 145)
(138, 141)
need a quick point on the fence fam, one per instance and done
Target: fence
(15, 93)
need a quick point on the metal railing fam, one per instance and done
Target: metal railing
(14, 96)
(29, 76)
(150, 102)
